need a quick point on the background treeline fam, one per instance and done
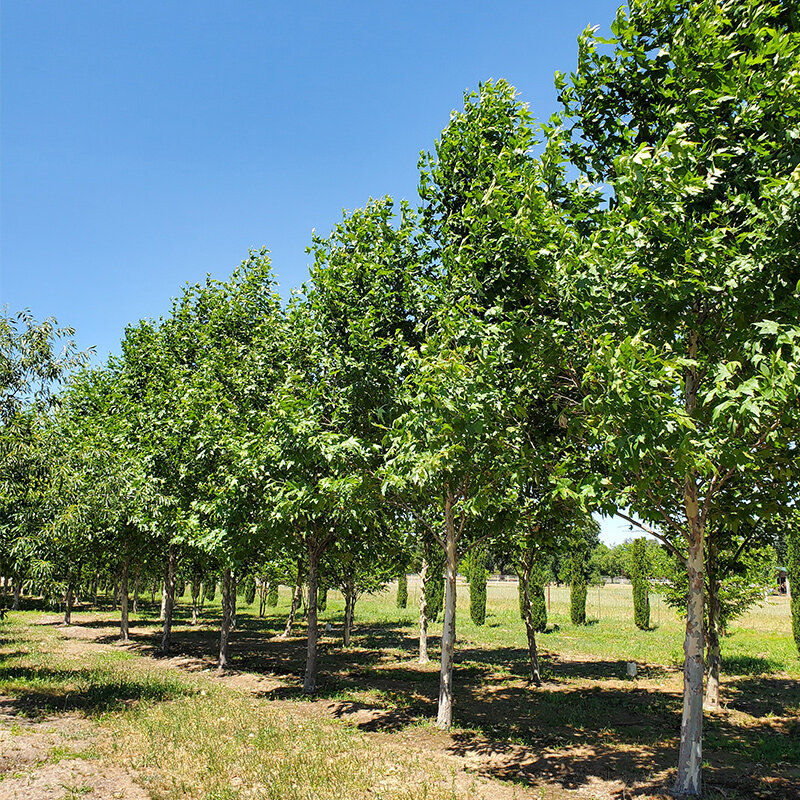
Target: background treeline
(595, 313)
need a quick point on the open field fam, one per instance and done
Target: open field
(83, 716)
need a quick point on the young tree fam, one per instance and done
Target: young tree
(688, 284)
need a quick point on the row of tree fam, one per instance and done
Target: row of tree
(598, 313)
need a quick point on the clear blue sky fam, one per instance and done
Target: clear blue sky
(145, 144)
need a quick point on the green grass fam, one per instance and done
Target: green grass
(187, 736)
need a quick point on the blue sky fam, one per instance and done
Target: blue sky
(145, 144)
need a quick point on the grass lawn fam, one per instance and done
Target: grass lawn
(83, 716)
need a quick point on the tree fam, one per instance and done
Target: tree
(688, 283)
(640, 573)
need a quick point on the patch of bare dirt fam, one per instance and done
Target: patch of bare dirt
(69, 779)
(38, 760)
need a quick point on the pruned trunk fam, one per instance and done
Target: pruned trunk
(444, 717)
(349, 609)
(310, 681)
(123, 596)
(225, 626)
(296, 597)
(690, 756)
(423, 614)
(169, 598)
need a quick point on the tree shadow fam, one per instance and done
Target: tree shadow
(39, 691)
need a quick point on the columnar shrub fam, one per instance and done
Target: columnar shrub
(477, 587)
(402, 590)
(793, 574)
(435, 596)
(577, 593)
(640, 573)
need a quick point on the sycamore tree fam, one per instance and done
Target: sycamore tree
(688, 286)
(35, 358)
(448, 462)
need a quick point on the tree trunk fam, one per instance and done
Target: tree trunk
(195, 598)
(530, 628)
(712, 644)
(349, 609)
(123, 597)
(162, 614)
(690, 757)
(68, 599)
(423, 614)
(225, 626)
(232, 609)
(17, 593)
(262, 598)
(310, 682)
(169, 598)
(296, 597)
(445, 716)
(95, 587)
(137, 585)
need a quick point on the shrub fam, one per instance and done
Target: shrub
(477, 587)
(640, 574)
(402, 590)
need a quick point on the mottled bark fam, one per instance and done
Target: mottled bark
(690, 756)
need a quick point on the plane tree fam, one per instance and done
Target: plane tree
(687, 286)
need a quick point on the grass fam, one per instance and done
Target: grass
(186, 735)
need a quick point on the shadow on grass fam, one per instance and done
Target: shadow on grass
(36, 691)
(581, 726)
